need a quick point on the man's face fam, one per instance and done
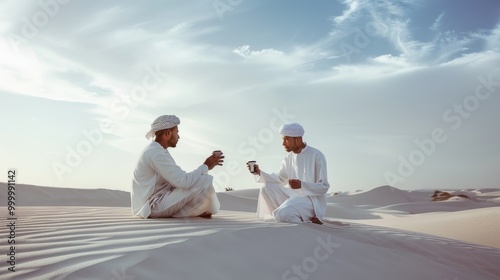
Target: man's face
(290, 143)
(173, 137)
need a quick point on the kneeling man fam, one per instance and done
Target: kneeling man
(297, 192)
(161, 189)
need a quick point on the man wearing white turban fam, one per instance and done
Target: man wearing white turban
(161, 189)
(297, 193)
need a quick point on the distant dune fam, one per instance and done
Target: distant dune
(29, 195)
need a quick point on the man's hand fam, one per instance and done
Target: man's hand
(214, 160)
(295, 183)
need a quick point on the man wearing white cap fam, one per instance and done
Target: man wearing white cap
(297, 192)
(161, 189)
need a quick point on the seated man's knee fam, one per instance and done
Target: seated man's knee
(204, 189)
(202, 185)
(287, 215)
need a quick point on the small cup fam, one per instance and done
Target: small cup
(251, 164)
(217, 153)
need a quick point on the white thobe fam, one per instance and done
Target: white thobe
(160, 188)
(309, 166)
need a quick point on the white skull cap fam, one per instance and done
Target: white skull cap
(292, 130)
(162, 122)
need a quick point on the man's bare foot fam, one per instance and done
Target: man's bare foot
(206, 215)
(315, 220)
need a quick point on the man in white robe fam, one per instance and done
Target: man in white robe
(297, 192)
(161, 189)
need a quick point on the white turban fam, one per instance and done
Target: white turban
(162, 122)
(292, 130)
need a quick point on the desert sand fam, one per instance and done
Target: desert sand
(383, 233)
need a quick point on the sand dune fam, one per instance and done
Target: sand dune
(380, 240)
(381, 196)
(481, 226)
(29, 195)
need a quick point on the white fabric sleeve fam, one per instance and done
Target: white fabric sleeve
(276, 178)
(170, 171)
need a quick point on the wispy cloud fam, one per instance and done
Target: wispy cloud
(245, 52)
(352, 7)
(437, 23)
(364, 25)
(493, 39)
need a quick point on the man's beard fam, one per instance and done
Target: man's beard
(173, 144)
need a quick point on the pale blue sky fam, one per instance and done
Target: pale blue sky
(83, 80)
